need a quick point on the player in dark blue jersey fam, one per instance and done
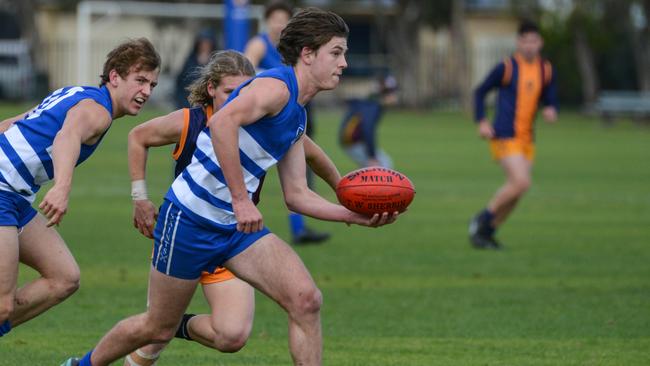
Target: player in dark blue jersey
(231, 299)
(358, 131)
(209, 219)
(45, 144)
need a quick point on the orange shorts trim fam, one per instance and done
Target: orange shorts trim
(501, 148)
(219, 275)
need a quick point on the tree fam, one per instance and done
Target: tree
(460, 53)
(579, 23)
(400, 34)
(641, 48)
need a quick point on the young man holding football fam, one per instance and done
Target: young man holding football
(262, 51)
(231, 300)
(208, 218)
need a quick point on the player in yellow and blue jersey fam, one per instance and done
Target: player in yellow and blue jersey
(523, 80)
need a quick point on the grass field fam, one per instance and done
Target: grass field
(572, 286)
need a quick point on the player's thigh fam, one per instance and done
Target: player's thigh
(516, 167)
(8, 260)
(168, 298)
(43, 249)
(232, 303)
(272, 267)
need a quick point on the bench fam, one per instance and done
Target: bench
(635, 104)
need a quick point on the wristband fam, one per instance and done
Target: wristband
(139, 190)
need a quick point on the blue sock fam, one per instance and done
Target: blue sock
(85, 361)
(296, 223)
(5, 328)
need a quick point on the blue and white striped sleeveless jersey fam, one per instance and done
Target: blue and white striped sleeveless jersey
(200, 190)
(26, 147)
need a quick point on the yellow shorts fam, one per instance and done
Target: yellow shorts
(219, 275)
(501, 148)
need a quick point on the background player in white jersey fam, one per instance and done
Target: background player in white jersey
(208, 218)
(46, 143)
(231, 300)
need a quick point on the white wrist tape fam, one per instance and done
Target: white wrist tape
(139, 190)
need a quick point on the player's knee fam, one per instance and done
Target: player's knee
(308, 301)
(521, 184)
(64, 286)
(154, 330)
(161, 334)
(230, 342)
(6, 307)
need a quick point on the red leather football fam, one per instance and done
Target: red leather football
(375, 190)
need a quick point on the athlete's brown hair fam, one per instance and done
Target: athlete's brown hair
(132, 55)
(311, 28)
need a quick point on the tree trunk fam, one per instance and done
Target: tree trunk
(586, 67)
(461, 69)
(403, 48)
(25, 13)
(642, 50)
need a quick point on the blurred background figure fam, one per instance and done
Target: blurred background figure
(204, 44)
(524, 80)
(262, 51)
(358, 131)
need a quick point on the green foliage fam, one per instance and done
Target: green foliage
(556, 49)
(571, 288)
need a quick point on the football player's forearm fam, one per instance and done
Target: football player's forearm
(325, 169)
(309, 203)
(65, 153)
(137, 153)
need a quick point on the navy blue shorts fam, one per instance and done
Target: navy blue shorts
(183, 248)
(15, 210)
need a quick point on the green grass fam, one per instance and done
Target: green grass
(572, 287)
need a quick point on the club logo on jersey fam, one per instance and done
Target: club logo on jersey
(299, 132)
(530, 85)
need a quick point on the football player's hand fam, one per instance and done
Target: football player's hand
(485, 129)
(55, 205)
(375, 220)
(549, 114)
(249, 218)
(145, 215)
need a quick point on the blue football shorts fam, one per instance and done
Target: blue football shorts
(183, 248)
(15, 210)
